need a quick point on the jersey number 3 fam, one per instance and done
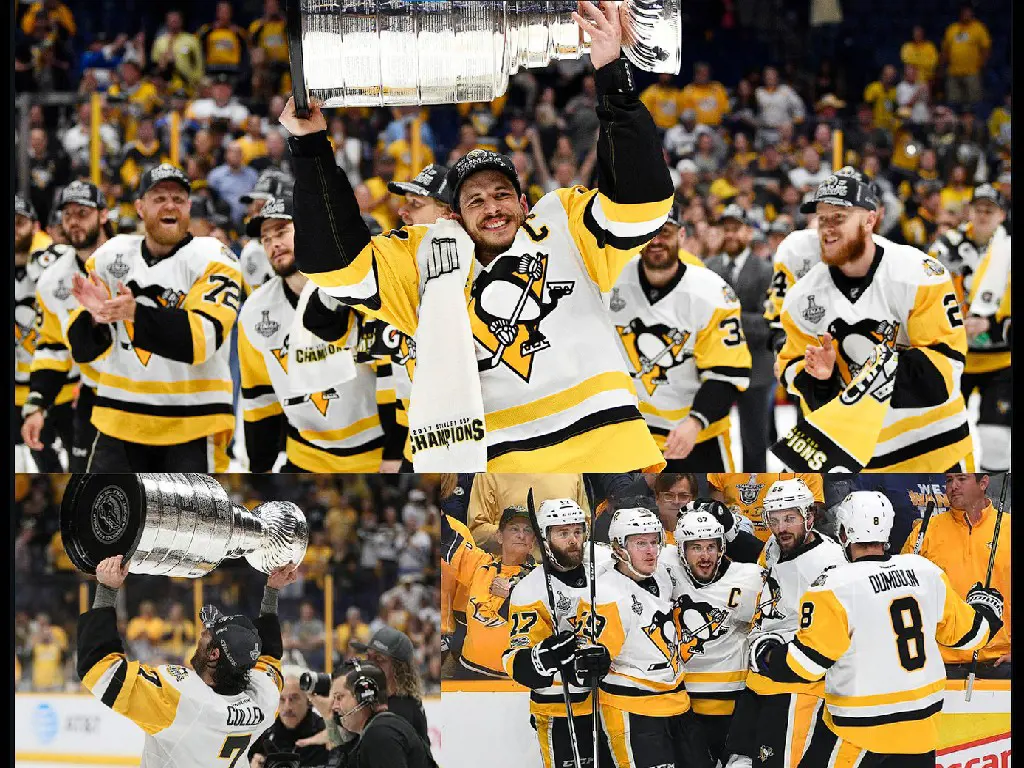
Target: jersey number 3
(906, 625)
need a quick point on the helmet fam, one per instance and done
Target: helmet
(864, 517)
(696, 524)
(788, 494)
(559, 512)
(629, 522)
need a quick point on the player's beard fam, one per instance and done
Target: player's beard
(494, 244)
(164, 234)
(287, 269)
(22, 244)
(568, 559)
(658, 257)
(792, 544)
(87, 240)
(846, 252)
(200, 661)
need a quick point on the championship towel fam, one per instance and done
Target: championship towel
(841, 435)
(313, 364)
(446, 408)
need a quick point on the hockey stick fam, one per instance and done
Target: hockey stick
(595, 691)
(988, 574)
(532, 510)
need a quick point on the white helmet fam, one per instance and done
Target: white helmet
(695, 525)
(629, 522)
(864, 517)
(788, 494)
(554, 512)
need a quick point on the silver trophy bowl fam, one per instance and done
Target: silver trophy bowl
(369, 53)
(174, 525)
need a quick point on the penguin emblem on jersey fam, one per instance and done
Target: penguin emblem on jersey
(768, 602)
(662, 632)
(507, 306)
(699, 624)
(167, 298)
(653, 350)
(856, 342)
(62, 291)
(118, 269)
(267, 327)
(26, 318)
(750, 490)
(320, 400)
(616, 303)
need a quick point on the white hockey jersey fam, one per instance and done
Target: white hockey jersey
(778, 604)
(172, 384)
(337, 430)
(872, 629)
(714, 621)
(557, 397)
(906, 302)
(255, 265)
(187, 724)
(690, 335)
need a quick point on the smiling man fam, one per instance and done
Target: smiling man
(556, 396)
(157, 308)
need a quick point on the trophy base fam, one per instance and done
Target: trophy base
(101, 516)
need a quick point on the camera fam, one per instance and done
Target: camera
(282, 760)
(318, 683)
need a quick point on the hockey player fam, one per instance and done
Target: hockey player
(772, 719)
(29, 267)
(487, 628)
(340, 429)
(962, 251)
(195, 716)
(555, 392)
(715, 600)
(874, 338)
(426, 196)
(744, 493)
(872, 629)
(680, 329)
(645, 708)
(543, 646)
(256, 267)
(159, 307)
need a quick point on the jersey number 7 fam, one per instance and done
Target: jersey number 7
(234, 747)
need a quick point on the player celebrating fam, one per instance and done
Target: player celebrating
(872, 628)
(84, 221)
(543, 645)
(555, 392)
(256, 267)
(715, 598)
(962, 251)
(874, 350)
(336, 430)
(772, 719)
(426, 196)
(680, 328)
(193, 716)
(159, 307)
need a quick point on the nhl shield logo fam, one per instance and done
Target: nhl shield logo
(616, 303)
(267, 327)
(813, 312)
(62, 292)
(118, 269)
(749, 491)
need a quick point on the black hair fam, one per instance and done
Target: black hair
(229, 680)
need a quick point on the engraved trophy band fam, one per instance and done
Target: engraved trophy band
(174, 525)
(368, 53)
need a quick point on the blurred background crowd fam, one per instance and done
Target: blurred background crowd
(921, 91)
(373, 554)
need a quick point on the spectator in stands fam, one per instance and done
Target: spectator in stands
(309, 635)
(743, 110)
(225, 45)
(672, 491)
(232, 180)
(414, 546)
(179, 636)
(811, 172)
(705, 96)
(348, 150)
(663, 100)
(221, 104)
(921, 53)
(392, 651)
(138, 96)
(581, 117)
(708, 157)
(912, 101)
(60, 19)
(777, 103)
(681, 139)
(353, 628)
(77, 139)
(958, 191)
(373, 195)
(145, 632)
(966, 46)
(959, 542)
(881, 95)
(269, 34)
(48, 648)
(177, 54)
(252, 143)
(49, 170)
(140, 155)
(919, 225)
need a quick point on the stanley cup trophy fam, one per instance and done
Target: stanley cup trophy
(369, 53)
(174, 525)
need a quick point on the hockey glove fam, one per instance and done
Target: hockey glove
(592, 663)
(721, 513)
(761, 648)
(446, 640)
(989, 603)
(553, 653)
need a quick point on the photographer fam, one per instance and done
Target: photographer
(296, 719)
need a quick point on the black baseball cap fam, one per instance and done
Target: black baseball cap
(274, 208)
(853, 173)
(163, 172)
(675, 215)
(511, 513)
(23, 207)
(238, 640)
(779, 227)
(844, 191)
(271, 183)
(83, 193)
(389, 641)
(990, 193)
(479, 160)
(432, 181)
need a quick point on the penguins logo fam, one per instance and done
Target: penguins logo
(653, 350)
(508, 303)
(699, 624)
(749, 491)
(26, 318)
(856, 342)
(320, 400)
(768, 606)
(662, 632)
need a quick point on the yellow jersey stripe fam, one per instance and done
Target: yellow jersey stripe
(187, 387)
(560, 401)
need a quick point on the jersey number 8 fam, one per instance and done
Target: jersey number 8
(906, 625)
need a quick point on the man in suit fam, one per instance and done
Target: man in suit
(749, 276)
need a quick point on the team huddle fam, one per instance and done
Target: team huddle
(704, 646)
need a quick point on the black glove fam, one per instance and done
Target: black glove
(988, 602)
(761, 648)
(717, 510)
(592, 663)
(553, 653)
(325, 322)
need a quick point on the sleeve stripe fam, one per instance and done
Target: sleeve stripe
(945, 349)
(262, 412)
(218, 327)
(605, 237)
(251, 393)
(52, 347)
(623, 228)
(814, 659)
(973, 636)
(116, 683)
(727, 371)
